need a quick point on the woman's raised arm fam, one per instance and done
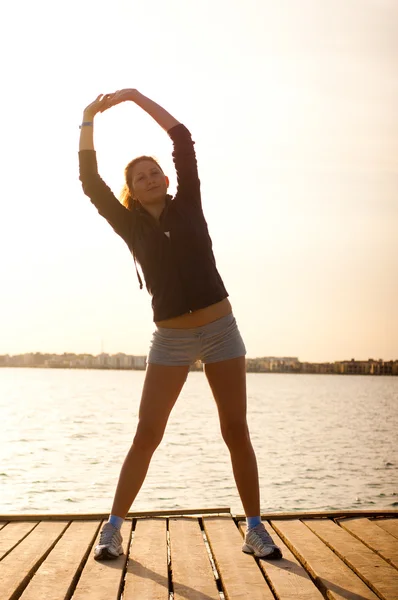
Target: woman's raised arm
(87, 127)
(108, 206)
(159, 114)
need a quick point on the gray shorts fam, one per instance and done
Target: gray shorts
(214, 342)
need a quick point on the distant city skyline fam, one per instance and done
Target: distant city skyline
(67, 352)
(297, 357)
(274, 364)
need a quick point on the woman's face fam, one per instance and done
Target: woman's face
(149, 184)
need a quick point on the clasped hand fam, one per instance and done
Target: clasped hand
(105, 101)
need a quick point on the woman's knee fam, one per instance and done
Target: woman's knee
(148, 437)
(235, 433)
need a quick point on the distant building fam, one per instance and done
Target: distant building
(139, 362)
(366, 367)
(57, 362)
(273, 364)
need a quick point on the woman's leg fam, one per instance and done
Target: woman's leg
(161, 389)
(227, 380)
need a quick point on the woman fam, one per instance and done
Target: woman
(168, 237)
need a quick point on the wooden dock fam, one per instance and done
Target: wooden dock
(197, 555)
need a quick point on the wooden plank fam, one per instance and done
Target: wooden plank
(21, 563)
(239, 573)
(389, 525)
(57, 575)
(286, 577)
(333, 514)
(374, 537)
(12, 534)
(193, 577)
(3, 524)
(102, 580)
(102, 516)
(369, 566)
(332, 576)
(147, 572)
(201, 511)
(180, 512)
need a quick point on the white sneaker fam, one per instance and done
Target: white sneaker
(259, 542)
(110, 543)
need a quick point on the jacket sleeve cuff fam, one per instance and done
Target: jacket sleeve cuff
(179, 132)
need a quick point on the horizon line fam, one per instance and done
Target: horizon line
(289, 358)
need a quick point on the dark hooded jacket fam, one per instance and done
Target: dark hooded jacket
(175, 253)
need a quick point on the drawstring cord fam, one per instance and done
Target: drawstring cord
(134, 224)
(136, 270)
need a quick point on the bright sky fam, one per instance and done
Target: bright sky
(293, 107)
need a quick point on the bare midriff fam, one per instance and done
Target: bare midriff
(200, 317)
